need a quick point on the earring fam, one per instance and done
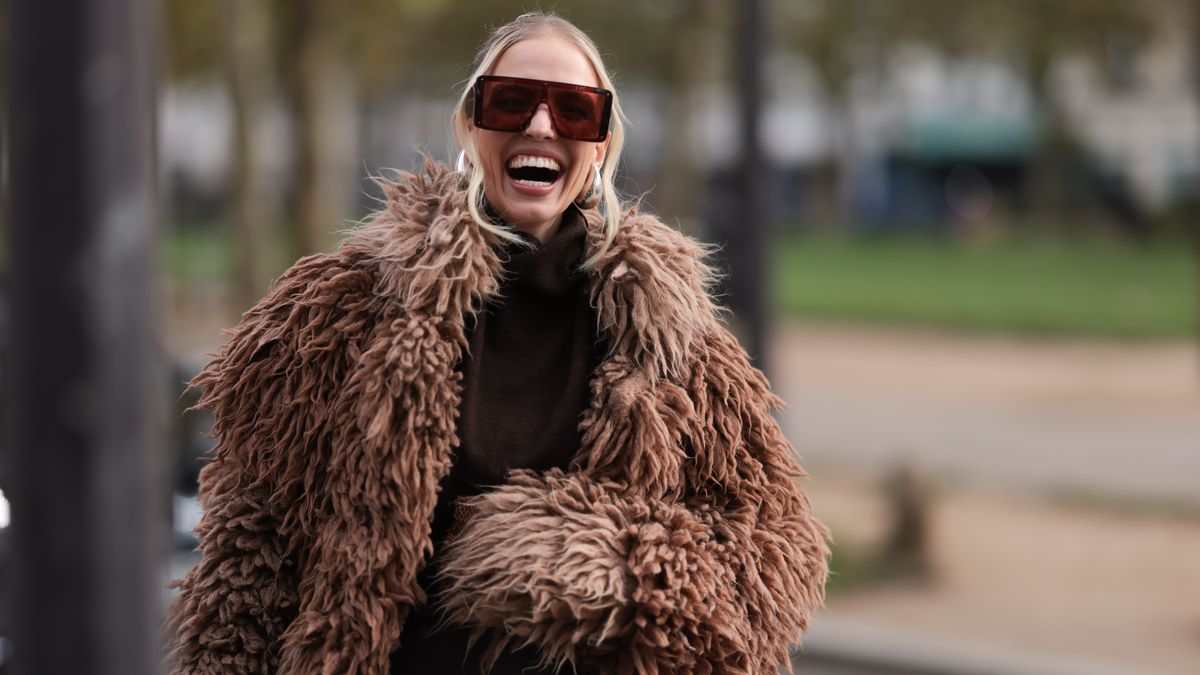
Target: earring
(591, 198)
(460, 166)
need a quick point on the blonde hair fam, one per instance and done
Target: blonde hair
(526, 26)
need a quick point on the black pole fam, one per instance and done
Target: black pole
(746, 238)
(83, 473)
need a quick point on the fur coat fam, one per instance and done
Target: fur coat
(678, 541)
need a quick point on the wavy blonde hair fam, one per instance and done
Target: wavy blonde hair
(534, 24)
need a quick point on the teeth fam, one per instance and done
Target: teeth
(529, 160)
(534, 183)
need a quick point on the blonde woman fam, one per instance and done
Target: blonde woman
(502, 427)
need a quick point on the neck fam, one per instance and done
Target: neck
(543, 231)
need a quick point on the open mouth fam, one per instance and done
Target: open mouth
(533, 171)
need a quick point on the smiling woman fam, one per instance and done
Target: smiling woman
(502, 427)
(534, 127)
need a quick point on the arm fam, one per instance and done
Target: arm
(714, 566)
(270, 390)
(235, 603)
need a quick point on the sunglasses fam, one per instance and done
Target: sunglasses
(508, 104)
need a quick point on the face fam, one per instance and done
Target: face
(536, 207)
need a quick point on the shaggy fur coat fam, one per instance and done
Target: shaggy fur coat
(677, 542)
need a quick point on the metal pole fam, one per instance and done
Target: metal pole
(83, 470)
(746, 243)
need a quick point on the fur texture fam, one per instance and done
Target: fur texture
(678, 542)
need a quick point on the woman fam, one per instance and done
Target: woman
(499, 427)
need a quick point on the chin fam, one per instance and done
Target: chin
(532, 214)
(531, 210)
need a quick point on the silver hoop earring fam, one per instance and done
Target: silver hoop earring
(460, 166)
(591, 198)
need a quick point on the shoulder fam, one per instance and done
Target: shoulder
(419, 250)
(427, 252)
(311, 312)
(416, 258)
(653, 293)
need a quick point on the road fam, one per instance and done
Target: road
(1120, 420)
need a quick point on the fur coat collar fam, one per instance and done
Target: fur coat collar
(678, 541)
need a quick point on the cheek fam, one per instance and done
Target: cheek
(582, 174)
(488, 148)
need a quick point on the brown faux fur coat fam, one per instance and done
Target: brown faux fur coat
(678, 541)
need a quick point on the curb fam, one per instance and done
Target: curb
(869, 650)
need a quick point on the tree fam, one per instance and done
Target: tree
(233, 39)
(374, 42)
(245, 52)
(844, 39)
(309, 29)
(700, 22)
(1032, 37)
(675, 50)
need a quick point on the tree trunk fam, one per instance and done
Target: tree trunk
(245, 61)
(680, 182)
(1049, 189)
(312, 89)
(844, 154)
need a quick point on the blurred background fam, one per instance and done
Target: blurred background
(978, 230)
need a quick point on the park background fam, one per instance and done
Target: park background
(980, 273)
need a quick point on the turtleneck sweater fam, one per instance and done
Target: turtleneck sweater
(525, 385)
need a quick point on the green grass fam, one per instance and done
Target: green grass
(849, 568)
(204, 254)
(1050, 287)
(196, 255)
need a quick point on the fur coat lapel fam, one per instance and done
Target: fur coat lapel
(335, 402)
(650, 287)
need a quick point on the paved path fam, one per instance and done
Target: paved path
(1115, 419)
(839, 647)
(1017, 579)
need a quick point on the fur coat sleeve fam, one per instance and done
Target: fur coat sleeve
(704, 558)
(316, 503)
(235, 604)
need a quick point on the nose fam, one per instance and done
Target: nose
(540, 126)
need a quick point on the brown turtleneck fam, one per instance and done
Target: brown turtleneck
(525, 385)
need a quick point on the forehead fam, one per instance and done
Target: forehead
(547, 57)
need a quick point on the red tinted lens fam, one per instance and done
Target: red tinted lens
(578, 115)
(507, 106)
(509, 103)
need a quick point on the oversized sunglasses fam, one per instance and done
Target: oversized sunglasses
(509, 103)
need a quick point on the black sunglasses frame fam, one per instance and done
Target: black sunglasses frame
(545, 85)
